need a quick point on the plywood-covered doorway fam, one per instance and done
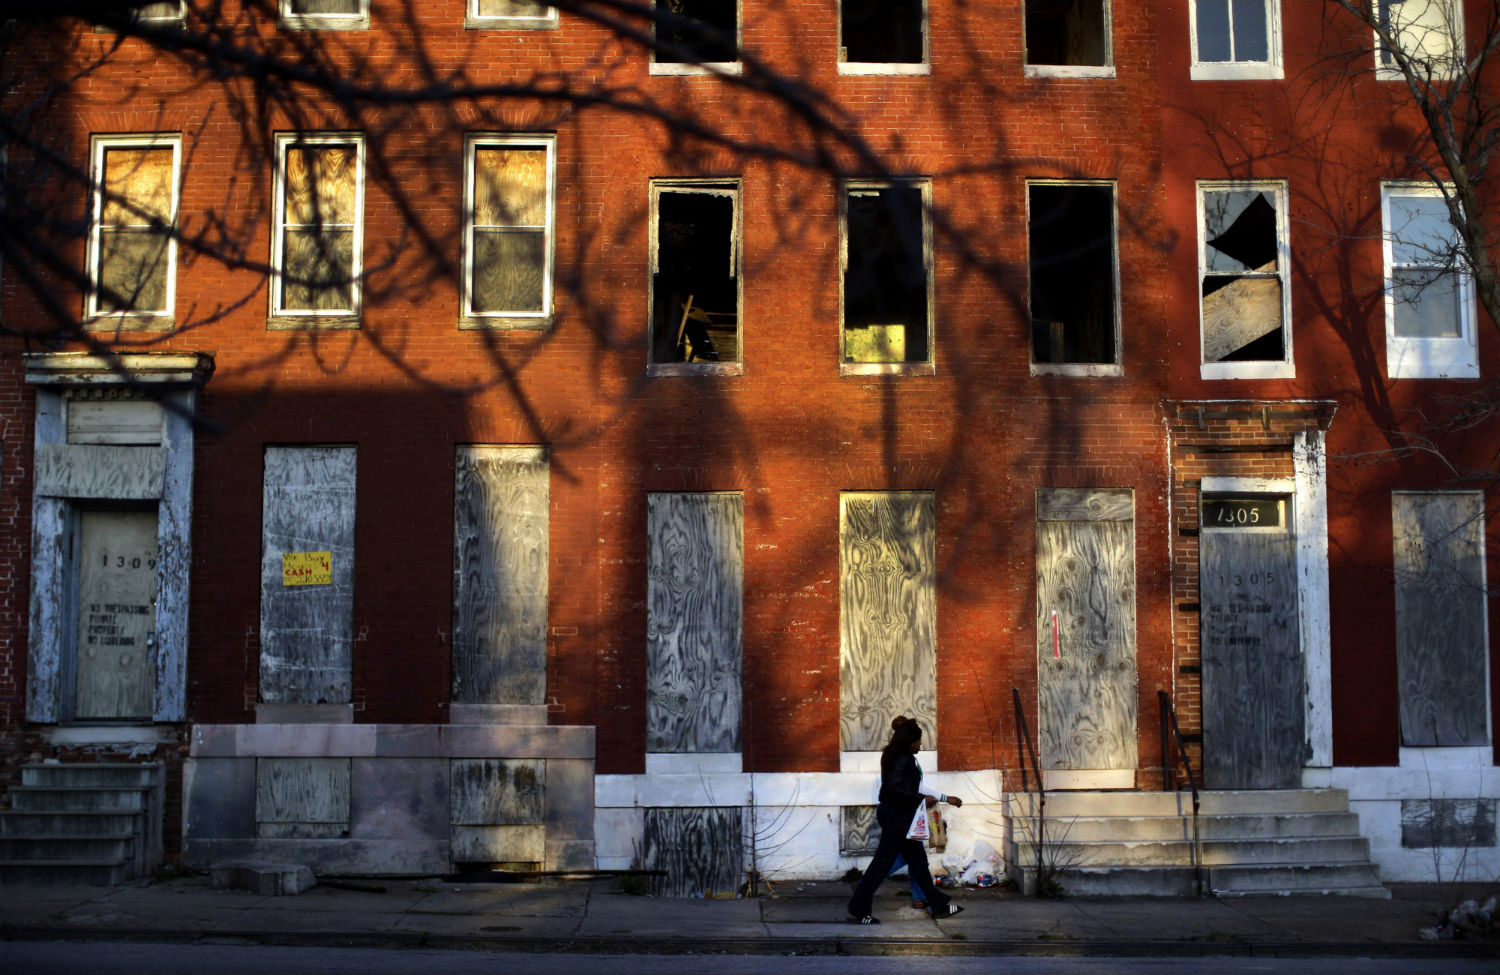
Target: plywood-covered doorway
(115, 666)
(1254, 686)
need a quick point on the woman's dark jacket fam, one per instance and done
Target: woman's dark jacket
(900, 779)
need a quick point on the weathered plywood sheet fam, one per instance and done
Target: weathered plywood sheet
(306, 631)
(500, 570)
(498, 792)
(302, 798)
(887, 618)
(115, 677)
(700, 848)
(1440, 618)
(1254, 689)
(694, 622)
(1087, 693)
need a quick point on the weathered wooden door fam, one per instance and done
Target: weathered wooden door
(114, 677)
(1086, 651)
(1254, 687)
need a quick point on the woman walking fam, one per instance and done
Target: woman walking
(901, 795)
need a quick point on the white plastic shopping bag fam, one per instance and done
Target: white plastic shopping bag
(918, 830)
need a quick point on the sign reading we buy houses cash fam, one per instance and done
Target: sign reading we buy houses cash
(307, 569)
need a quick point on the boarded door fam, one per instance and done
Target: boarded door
(307, 576)
(1254, 687)
(694, 622)
(116, 668)
(887, 593)
(500, 521)
(1086, 666)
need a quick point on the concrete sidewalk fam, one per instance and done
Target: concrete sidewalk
(594, 914)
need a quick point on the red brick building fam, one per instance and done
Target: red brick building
(532, 443)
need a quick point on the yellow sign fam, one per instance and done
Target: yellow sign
(307, 569)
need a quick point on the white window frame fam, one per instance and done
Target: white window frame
(99, 147)
(1266, 369)
(474, 20)
(1106, 70)
(1269, 69)
(731, 187)
(923, 67)
(928, 365)
(1454, 56)
(1425, 357)
(1116, 368)
(706, 67)
(292, 20)
(333, 317)
(508, 319)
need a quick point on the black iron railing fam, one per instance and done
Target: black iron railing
(1171, 733)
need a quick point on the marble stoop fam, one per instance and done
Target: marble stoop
(1295, 841)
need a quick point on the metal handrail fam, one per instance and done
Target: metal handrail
(1027, 750)
(1169, 775)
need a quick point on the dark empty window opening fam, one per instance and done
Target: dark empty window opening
(881, 32)
(695, 286)
(1242, 292)
(1067, 32)
(697, 31)
(885, 275)
(1071, 234)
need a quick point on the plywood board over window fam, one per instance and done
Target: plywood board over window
(887, 618)
(694, 622)
(500, 574)
(1441, 629)
(1085, 624)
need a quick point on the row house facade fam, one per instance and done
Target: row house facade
(483, 433)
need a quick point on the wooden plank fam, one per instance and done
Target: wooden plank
(497, 791)
(500, 575)
(694, 622)
(1085, 504)
(1440, 618)
(1087, 694)
(1254, 689)
(887, 617)
(700, 848)
(306, 632)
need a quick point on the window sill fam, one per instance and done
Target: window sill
(1247, 370)
(1081, 369)
(1236, 71)
(511, 23)
(887, 369)
(502, 323)
(856, 68)
(661, 370)
(1069, 71)
(706, 68)
(292, 323)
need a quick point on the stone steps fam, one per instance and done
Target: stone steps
(76, 823)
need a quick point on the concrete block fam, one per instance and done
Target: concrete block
(261, 877)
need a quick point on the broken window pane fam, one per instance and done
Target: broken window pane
(1242, 297)
(881, 31)
(1072, 248)
(885, 274)
(1067, 32)
(697, 31)
(1233, 30)
(695, 281)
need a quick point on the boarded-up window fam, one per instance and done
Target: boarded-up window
(1085, 624)
(1243, 264)
(887, 292)
(307, 575)
(887, 617)
(1440, 618)
(697, 31)
(510, 228)
(695, 280)
(500, 572)
(132, 252)
(1071, 235)
(882, 31)
(1068, 32)
(318, 226)
(694, 622)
